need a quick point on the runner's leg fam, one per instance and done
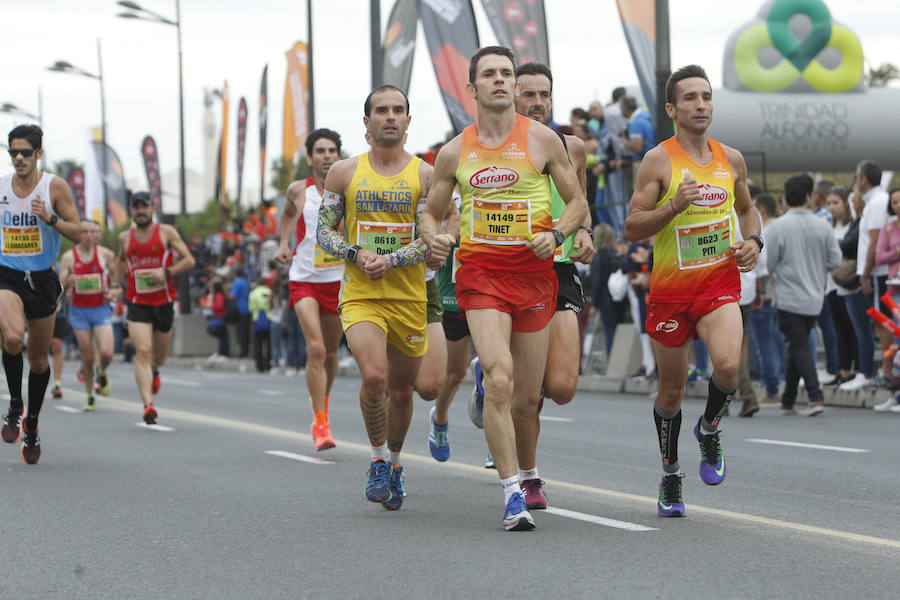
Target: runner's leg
(307, 310)
(434, 363)
(368, 343)
(142, 337)
(457, 363)
(40, 332)
(401, 378)
(86, 348)
(722, 332)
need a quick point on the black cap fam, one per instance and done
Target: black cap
(141, 198)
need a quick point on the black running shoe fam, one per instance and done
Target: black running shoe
(31, 444)
(10, 430)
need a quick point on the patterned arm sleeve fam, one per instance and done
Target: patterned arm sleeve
(413, 253)
(330, 215)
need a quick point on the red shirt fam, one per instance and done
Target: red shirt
(90, 281)
(143, 257)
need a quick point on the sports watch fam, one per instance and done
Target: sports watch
(53, 220)
(558, 236)
(352, 252)
(758, 239)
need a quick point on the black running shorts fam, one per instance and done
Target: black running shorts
(570, 295)
(39, 290)
(160, 317)
(455, 327)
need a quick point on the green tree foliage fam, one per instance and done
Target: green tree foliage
(203, 223)
(882, 75)
(281, 174)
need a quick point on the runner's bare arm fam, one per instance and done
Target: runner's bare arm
(69, 224)
(416, 251)
(644, 219)
(584, 244)
(445, 166)
(566, 181)
(746, 252)
(332, 210)
(65, 268)
(293, 207)
(119, 265)
(174, 242)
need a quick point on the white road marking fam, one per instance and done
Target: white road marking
(556, 419)
(571, 514)
(68, 409)
(184, 382)
(270, 392)
(300, 457)
(154, 427)
(802, 445)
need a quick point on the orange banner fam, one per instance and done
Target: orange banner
(296, 101)
(223, 146)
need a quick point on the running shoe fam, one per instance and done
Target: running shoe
(489, 462)
(89, 404)
(57, 392)
(149, 414)
(534, 495)
(398, 488)
(712, 456)
(321, 435)
(517, 517)
(671, 499)
(31, 444)
(476, 401)
(10, 430)
(79, 375)
(378, 488)
(103, 388)
(887, 405)
(438, 441)
(154, 387)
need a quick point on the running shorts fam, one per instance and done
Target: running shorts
(403, 322)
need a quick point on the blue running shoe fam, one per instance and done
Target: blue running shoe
(398, 488)
(517, 517)
(378, 489)
(476, 402)
(671, 499)
(438, 441)
(712, 457)
(489, 462)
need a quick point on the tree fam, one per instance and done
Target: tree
(281, 174)
(881, 76)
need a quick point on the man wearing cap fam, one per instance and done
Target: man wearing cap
(154, 254)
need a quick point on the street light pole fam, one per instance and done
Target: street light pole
(103, 156)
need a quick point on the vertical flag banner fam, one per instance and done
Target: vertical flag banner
(520, 26)
(151, 168)
(241, 140)
(263, 121)
(75, 178)
(452, 37)
(296, 91)
(117, 204)
(639, 23)
(223, 145)
(399, 44)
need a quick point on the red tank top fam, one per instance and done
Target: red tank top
(90, 281)
(142, 258)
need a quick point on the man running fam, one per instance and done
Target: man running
(60, 332)
(314, 279)
(83, 269)
(383, 301)
(563, 355)
(36, 210)
(686, 190)
(146, 250)
(505, 284)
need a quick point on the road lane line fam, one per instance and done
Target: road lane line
(300, 457)
(270, 392)
(155, 427)
(580, 516)
(556, 419)
(68, 409)
(802, 445)
(132, 406)
(182, 382)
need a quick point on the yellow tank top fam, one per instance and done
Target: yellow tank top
(505, 202)
(691, 255)
(381, 217)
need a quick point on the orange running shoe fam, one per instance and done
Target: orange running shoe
(321, 435)
(154, 387)
(79, 375)
(31, 444)
(149, 414)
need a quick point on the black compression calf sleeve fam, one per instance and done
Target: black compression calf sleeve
(37, 387)
(718, 401)
(13, 365)
(667, 428)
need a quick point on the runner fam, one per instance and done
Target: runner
(564, 351)
(83, 270)
(146, 250)
(383, 301)
(314, 279)
(60, 331)
(36, 209)
(686, 189)
(505, 284)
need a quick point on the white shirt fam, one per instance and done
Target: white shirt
(874, 216)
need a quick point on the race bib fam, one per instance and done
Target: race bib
(323, 260)
(502, 222)
(143, 284)
(88, 284)
(22, 241)
(384, 238)
(704, 244)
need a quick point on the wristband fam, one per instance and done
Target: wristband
(167, 272)
(588, 229)
(674, 210)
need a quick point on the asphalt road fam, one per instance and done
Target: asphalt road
(116, 510)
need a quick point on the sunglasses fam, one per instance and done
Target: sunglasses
(25, 152)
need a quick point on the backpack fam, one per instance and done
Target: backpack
(232, 314)
(262, 323)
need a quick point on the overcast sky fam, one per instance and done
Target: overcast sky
(234, 39)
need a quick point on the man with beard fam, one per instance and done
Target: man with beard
(148, 252)
(36, 209)
(315, 279)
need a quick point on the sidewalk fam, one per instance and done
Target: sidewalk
(865, 398)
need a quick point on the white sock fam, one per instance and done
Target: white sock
(380, 452)
(510, 486)
(394, 458)
(528, 474)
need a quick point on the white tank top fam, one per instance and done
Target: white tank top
(311, 264)
(28, 244)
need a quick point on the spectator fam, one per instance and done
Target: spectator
(802, 250)
(871, 276)
(763, 328)
(276, 317)
(606, 261)
(888, 253)
(216, 326)
(239, 292)
(842, 222)
(616, 192)
(260, 303)
(819, 204)
(751, 299)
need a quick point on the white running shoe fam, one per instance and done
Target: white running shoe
(891, 404)
(857, 383)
